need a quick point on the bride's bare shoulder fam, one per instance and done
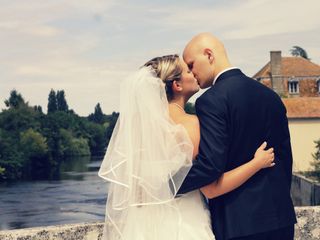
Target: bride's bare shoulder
(187, 120)
(191, 119)
(191, 122)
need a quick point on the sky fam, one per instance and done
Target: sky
(88, 47)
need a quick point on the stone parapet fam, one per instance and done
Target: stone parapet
(308, 228)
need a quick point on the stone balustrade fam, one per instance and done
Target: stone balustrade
(308, 228)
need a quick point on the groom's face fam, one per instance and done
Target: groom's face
(200, 66)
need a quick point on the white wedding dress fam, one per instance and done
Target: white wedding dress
(147, 159)
(195, 217)
(189, 221)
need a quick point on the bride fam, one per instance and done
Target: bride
(150, 153)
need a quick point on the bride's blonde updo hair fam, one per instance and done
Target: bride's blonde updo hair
(168, 69)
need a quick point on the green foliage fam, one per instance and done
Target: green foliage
(283, 95)
(97, 137)
(113, 118)
(13, 166)
(97, 116)
(299, 52)
(38, 108)
(35, 153)
(2, 171)
(190, 108)
(52, 102)
(316, 157)
(33, 145)
(61, 101)
(71, 146)
(11, 159)
(15, 100)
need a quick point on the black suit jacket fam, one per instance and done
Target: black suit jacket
(236, 116)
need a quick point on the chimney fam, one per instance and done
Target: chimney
(275, 67)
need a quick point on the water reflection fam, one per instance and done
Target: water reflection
(78, 196)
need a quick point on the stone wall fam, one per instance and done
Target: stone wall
(83, 231)
(308, 228)
(304, 191)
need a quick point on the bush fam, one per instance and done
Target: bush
(35, 153)
(316, 157)
(72, 146)
(34, 144)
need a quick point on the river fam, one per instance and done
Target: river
(78, 196)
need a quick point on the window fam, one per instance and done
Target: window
(293, 86)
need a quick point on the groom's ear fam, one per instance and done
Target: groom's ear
(208, 52)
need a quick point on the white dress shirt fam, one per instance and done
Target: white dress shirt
(218, 75)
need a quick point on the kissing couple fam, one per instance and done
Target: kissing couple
(224, 173)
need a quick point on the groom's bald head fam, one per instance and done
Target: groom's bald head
(206, 57)
(202, 41)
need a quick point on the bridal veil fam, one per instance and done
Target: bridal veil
(147, 159)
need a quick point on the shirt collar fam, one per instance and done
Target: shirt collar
(219, 74)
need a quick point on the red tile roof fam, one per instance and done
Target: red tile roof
(302, 107)
(292, 66)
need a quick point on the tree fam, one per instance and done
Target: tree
(20, 119)
(97, 116)
(96, 133)
(15, 100)
(299, 52)
(316, 157)
(72, 146)
(2, 172)
(11, 158)
(61, 101)
(33, 145)
(52, 102)
(112, 123)
(35, 151)
(38, 108)
(189, 108)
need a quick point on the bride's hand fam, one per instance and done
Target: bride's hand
(264, 158)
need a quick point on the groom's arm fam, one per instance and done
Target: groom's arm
(211, 161)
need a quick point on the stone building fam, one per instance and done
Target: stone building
(290, 76)
(297, 81)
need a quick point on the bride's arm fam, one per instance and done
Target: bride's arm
(232, 179)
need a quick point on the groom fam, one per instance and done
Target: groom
(236, 115)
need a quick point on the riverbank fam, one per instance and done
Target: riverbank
(308, 228)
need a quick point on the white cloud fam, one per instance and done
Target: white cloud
(40, 52)
(84, 86)
(248, 19)
(42, 31)
(87, 47)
